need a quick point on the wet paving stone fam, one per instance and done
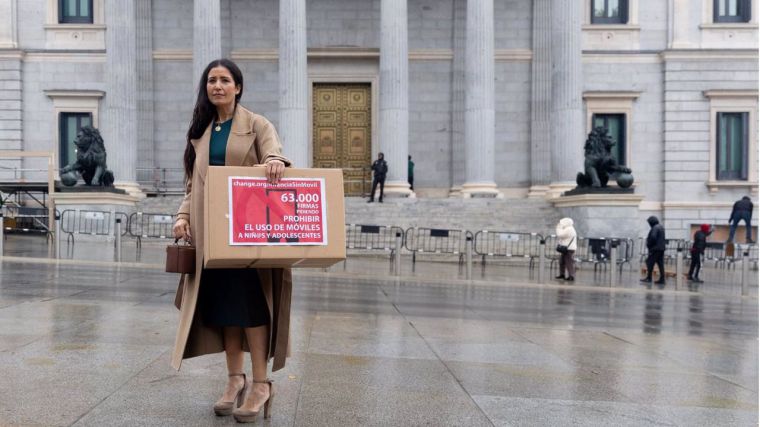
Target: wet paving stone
(89, 345)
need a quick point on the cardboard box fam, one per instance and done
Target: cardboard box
(249, 223)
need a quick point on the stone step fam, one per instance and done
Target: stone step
(523, 215)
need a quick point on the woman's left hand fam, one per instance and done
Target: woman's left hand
(275, 169)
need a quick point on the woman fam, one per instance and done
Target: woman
(566, 236)
(230, 310)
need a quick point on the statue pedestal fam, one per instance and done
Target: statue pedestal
(91, 215)
(601, 214)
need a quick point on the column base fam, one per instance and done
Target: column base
(481, 189)
(132, 188)
(538, 191)
(557, 188)
(455, 191)
(398, 189)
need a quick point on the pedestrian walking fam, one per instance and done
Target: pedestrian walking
(566, 246)
(742, 211)
(410, 173)
(697, 252)
(230, 310)
(656, 246)
(379, 170)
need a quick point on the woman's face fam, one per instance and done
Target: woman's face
(221, 87)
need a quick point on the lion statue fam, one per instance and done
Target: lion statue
(599, 163)
(91, 161)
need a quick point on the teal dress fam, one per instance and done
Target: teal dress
(230, 296)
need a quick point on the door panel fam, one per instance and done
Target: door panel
(342, 132)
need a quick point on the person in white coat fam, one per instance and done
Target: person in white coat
(568, 238)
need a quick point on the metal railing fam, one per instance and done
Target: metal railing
(598, 251)
(90, 222)
(435, 241)
(507, 244)
(372, 237)
(143, 225)
(671, 249)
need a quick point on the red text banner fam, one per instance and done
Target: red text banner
(293, 212)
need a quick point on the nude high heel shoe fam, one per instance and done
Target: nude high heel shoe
(224, 408)
(246, 416)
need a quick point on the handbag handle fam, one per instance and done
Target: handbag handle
(187, 242)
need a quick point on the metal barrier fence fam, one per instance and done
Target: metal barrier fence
(143, 225)
(597, 251)
(671, 249)
(507, 244)
(435, 241)
(715, 252)
(89, 222)
(372, 237)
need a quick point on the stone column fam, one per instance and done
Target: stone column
(207, 35)
(541, 92)
(567, 127)
(479, 126)
(394, 95)
(144, 45)
(294, 92)
(458, 146)
(120, 124)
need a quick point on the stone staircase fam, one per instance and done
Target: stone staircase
(518, 215)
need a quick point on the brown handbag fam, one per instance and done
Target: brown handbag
(180, 258)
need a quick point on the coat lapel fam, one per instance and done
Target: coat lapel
(241, 139)
(201, 146)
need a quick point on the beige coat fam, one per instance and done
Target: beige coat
(253, 140)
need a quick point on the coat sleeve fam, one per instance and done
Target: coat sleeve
(184, 208)
(269, 147)
(563, 232)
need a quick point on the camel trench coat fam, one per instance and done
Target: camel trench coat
(253, 140)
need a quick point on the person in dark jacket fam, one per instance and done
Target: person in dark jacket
(410, 172)
(656, 246)
(379, 170)
(742, 211)
(697, 251)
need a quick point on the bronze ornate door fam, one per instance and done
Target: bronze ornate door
(342, 132)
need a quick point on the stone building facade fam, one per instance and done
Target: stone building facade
(489, 97)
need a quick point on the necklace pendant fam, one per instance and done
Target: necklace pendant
(218, 128)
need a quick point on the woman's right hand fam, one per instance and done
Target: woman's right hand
(181, 229)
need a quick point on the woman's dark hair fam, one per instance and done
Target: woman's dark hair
(204, 110)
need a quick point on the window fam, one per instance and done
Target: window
(70, 124)
(75, 12)
(609, 11)
(732, 149)
(615, 125)
(731, 10)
